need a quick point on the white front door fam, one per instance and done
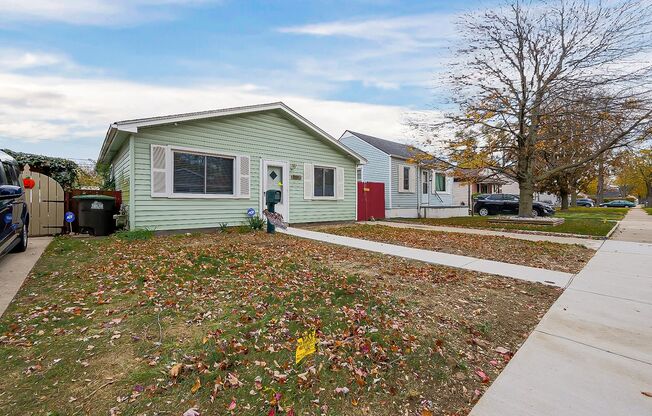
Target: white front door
(424, 187)
(276, 176)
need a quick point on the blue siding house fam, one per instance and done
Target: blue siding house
(410, 190)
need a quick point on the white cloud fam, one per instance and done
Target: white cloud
(383, 53)
(92, 12)
(15, 59)
(395, 33)
(47, 109)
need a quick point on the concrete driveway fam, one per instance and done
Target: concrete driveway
(15, 267)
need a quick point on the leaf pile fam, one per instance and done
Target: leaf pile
(542, 254)
(208, 324)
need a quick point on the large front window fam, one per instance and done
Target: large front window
(324, 182)
(202, 174)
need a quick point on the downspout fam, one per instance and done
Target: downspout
(418, 190)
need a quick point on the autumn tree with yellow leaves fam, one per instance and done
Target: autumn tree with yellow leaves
(525, 65)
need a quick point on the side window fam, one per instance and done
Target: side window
(495, 197)
(10, 176)
(406, 177)
(3, 181)
(324, 181)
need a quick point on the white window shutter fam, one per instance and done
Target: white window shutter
(340, 183)
(401, 178)
(413, 178)
(308, 174)
(159, 171)
(244, 175)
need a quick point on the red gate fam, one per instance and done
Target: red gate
(371, 200)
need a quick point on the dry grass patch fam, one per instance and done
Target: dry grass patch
(542, 254)
(160, 325)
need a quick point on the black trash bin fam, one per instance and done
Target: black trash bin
(96, 213)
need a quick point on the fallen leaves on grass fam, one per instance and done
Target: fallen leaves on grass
(224, 312)
(542, 254)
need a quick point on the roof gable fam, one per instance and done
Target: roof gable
(389, 147)
(132, 126)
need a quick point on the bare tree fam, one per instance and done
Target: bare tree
(526, 63)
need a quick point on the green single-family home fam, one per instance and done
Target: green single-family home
(201, 170)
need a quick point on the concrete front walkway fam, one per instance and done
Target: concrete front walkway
(591, 354)
(636, 226)
(586, 242)
(531, 274)
(15, 267)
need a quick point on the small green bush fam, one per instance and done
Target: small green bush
(135, 235)
(222, 227)
(256, 223)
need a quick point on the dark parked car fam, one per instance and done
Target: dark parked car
(13, 210)
(619, 203)
(508, 204)
(585, 202)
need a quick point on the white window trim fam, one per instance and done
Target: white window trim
(170, 172)
(434, 187)
(401, 188)
(324, 198)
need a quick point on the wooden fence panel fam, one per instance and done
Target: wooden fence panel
(45, 204)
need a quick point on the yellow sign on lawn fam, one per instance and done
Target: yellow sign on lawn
(306, 345)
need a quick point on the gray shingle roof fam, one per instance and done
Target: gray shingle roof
(403, 151)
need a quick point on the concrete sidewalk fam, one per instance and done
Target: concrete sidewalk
(636, 226)
(586, 242)
(515, 271)
(15, 267)
(591, 354)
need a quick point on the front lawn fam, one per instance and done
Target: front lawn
(596, 222)
(648, 210)
(543, 254)
(117, 326)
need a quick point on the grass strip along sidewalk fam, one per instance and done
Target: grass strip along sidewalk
(594, 222)
(542, 254)
(210, 321)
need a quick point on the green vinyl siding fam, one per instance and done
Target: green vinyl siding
(121, 172)
(266, 135)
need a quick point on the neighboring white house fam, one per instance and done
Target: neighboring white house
(469, 182)
(410, 190)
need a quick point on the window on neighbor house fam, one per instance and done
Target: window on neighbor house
(201, 174)
(406, 178)
(440, 182)
(324, 182)
(359, 174)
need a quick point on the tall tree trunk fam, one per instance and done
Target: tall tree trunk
(564, 199)
(573, 196)
(526, 192)
(649, 195)
(599, 197)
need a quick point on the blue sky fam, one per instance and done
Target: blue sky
(69, 68)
